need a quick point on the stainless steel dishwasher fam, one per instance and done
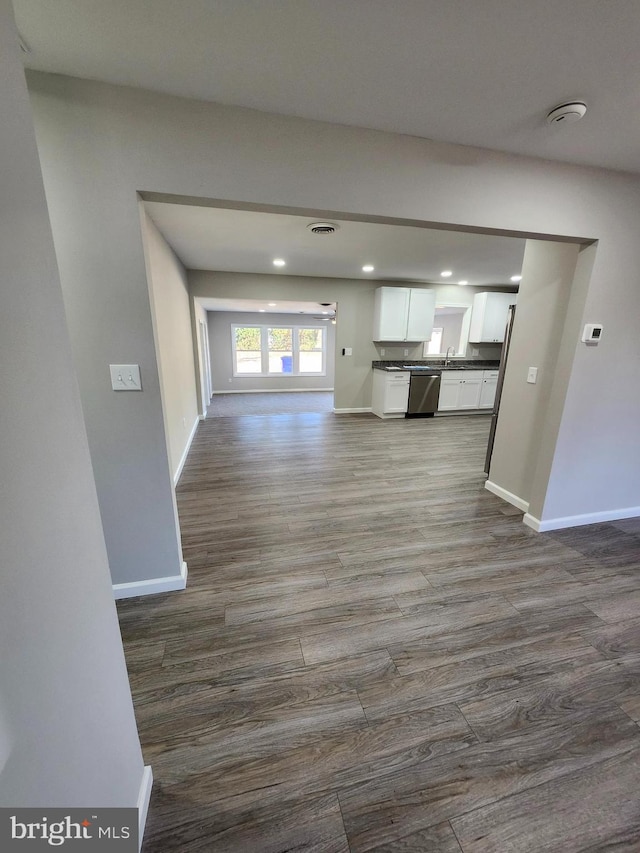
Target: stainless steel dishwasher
(424, 390)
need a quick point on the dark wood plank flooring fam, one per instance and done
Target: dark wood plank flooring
(375, 654)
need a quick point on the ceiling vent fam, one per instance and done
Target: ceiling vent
(567, 113)
(323, 227)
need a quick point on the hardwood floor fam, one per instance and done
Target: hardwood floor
(375, 654)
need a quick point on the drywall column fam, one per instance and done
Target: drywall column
(67, 730)
(547, 276)
(171, 314)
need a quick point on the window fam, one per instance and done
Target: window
(280, 343)
(279, 350)
(247, 350)
(435, 344)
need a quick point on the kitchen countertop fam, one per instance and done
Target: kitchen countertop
(435, 366)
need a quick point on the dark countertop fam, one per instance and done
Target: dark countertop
(435, 366)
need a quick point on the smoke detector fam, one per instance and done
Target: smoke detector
(567, 113)
(322, 227)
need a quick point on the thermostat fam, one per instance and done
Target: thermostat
(592, 333)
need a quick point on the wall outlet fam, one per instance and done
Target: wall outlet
(125, 377)
(406, 352)
(382, 351)
(347, 351)
(532, 375)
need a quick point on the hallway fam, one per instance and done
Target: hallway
(374, 653)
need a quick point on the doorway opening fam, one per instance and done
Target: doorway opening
(269, 356)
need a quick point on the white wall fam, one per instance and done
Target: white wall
(67, 729)
(171, 314)
(99, 144)
(220, 323)
(451, 325)
(547, 277)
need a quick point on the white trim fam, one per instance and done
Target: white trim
(187, 448)
(532, 522)
(144, 796)
(353, 411)
(509, 497)
(541, 526)
(152, 586)
(455, 413)
(271, 390)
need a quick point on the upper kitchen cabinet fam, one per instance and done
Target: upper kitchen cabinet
(489, 317)
(403, 314)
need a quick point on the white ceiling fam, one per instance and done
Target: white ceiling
(247, 241)
(476, 72)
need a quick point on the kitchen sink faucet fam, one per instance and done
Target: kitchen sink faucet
(446, 358)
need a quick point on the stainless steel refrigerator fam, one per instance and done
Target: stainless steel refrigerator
(504, 354)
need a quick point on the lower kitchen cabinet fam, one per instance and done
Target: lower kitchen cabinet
(488, 390)
(449, 393)
(390, 393)
(466, 389)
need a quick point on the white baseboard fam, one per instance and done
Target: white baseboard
(152, 586)
(578, 520)
(272, 391)
(352, 411)
(144, 796)
(509, 497)
(183, 458)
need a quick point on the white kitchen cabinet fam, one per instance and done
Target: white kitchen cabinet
(390, 393)
(449, 392)
(469, 396)
(489, 317)
(403, 314)
(488, 390)
(460, 389)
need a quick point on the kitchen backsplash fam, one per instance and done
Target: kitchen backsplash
(395, 352)
(480, 363)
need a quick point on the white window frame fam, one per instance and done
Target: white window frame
(264, 350)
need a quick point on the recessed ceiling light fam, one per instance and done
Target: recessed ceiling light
(262, 310)
(368, 268)
(446, 273)
(516, 278)
(272, 304)
(464, 281)
(279, 262)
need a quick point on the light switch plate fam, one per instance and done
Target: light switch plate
(348, 351)
(532, 375)
(125, 377)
